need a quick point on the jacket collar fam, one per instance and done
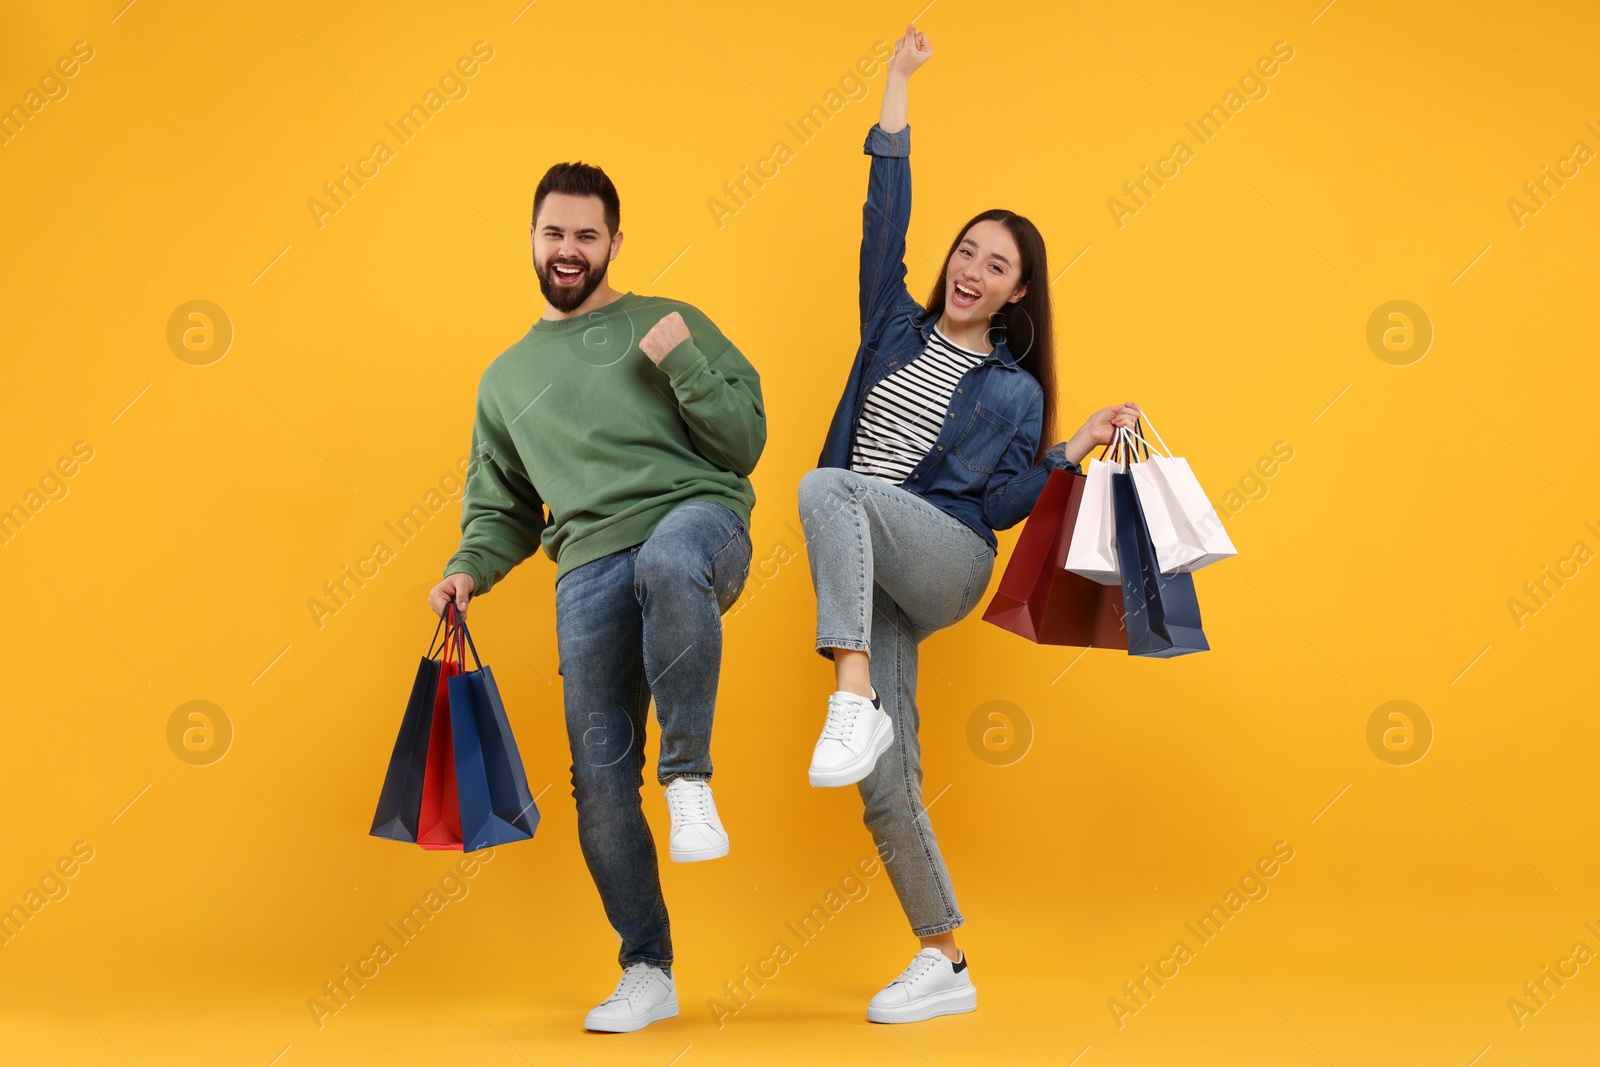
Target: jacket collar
(1001, 353)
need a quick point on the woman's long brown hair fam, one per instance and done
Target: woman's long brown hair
(1025, 325)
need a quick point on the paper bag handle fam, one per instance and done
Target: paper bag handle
(1157, 434)
(463, 638)
(432, 651)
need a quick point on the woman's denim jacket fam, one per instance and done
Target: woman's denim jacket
(981, 469)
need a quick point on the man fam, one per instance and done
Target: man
(619, 435)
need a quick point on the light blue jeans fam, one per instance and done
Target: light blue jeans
(890, 569)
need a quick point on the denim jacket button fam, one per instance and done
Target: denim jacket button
(941, 448)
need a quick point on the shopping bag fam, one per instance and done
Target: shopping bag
(439, 822)
(1092, 551)
(1161, 612)
(400, 800)
(1184, 528)
(497, 806)
(1041, 601)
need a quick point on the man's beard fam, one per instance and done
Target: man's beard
(568, 298)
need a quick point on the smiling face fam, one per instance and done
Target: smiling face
(984, 273)
(572, 247)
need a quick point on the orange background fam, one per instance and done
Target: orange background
(1376, 565)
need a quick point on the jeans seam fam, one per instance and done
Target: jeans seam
(643, 694)
(920, 811)
(863, 545)
(738, 528)
(738, 531)
(968, 596)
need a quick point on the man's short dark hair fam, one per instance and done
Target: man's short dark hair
(580, 179)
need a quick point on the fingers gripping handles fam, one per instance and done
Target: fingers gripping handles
(1127, 445)
(457, 638)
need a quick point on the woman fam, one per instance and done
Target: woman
(937, 443)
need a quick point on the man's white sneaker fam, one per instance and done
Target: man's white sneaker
(645, 995)
(697, 832)
(931, 986)
(857, 732)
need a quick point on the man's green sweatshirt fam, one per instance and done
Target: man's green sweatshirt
(574, 418)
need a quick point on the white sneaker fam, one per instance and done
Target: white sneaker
(697, 833)
(857, 732)
(931, 986)
(645, 995)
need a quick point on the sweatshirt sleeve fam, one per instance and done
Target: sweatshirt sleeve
(719, 397)
(502, 514)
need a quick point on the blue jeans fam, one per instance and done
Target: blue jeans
(643, 622)
(890, 569)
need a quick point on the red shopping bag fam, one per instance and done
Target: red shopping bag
(1038, 598)
(439, 819)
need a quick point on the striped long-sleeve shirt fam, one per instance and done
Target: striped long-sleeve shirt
(904, 412)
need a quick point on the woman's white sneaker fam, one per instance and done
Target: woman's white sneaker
(697, 832)
(857, 732)
(644, 995)
(931, 986)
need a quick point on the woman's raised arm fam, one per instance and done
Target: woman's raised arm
(888, 209)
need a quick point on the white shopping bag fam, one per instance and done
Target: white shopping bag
(1093, 551)
(1184, 528)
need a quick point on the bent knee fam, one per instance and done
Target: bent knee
(820, 484)
(670, 561)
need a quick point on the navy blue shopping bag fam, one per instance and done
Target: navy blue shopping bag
(400, 801)
(1161, 611)
(496, 805)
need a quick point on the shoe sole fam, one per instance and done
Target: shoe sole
(655, 1015)
(951, 1002)
(853, 773)
(697, 854)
